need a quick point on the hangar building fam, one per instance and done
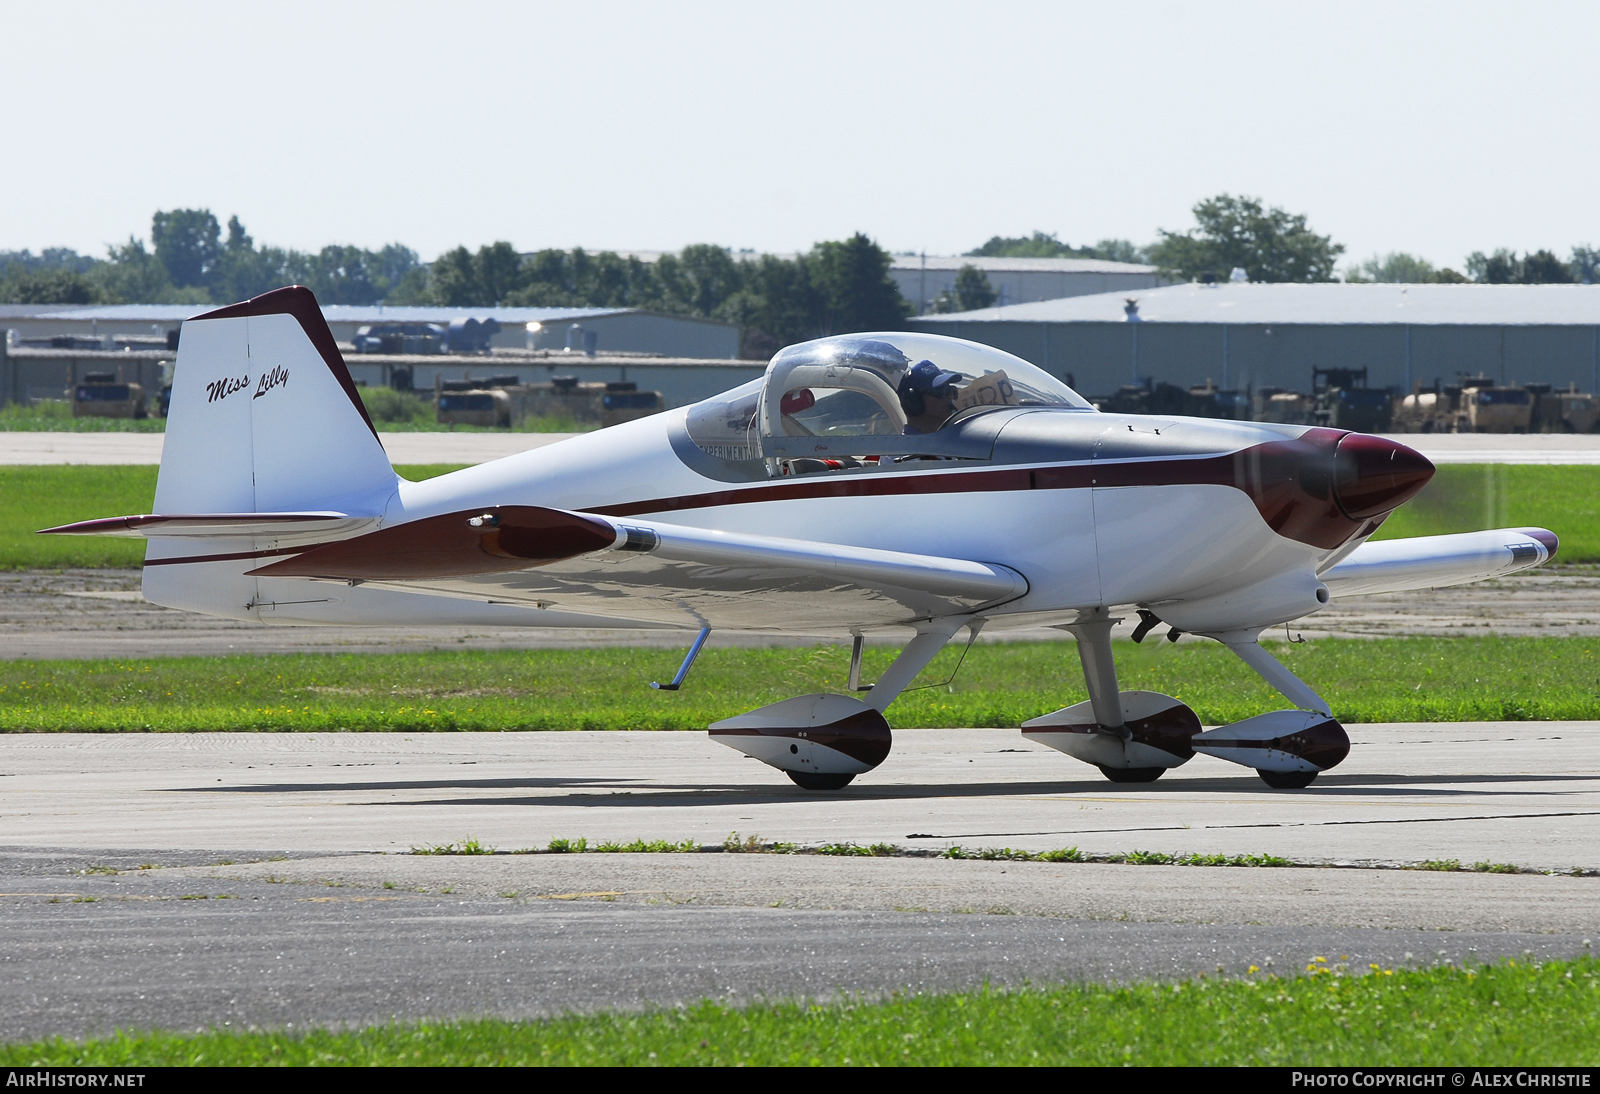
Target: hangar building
(630, 330)
(1256, 335)
(48, 348)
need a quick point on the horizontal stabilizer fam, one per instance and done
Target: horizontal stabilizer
(1431, 562)
(313, 526)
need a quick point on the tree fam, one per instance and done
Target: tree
(780, 304)
(1396, 267)
(132, 275)
(1503, 267)
(1269, 244)
(187, 243)
(1046, 245)
(1544, 268)
(50, 286)
(453, 282)
(699, 280)
(856, 290)
(970, 292)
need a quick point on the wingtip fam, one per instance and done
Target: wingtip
(1551, 541)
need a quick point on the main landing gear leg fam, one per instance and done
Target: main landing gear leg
(823, 741)
(1287, 748)
(1131, 736)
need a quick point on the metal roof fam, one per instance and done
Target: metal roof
(334, 313)
(1019, 265)
(1325, 304)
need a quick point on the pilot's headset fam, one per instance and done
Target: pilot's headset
(925, 378)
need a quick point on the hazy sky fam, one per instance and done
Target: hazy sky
(1433, 128)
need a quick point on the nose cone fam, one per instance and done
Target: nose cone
(1373, 476)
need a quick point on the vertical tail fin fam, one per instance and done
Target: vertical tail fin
(264, 416)
(264, 419)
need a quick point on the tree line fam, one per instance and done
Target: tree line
(835, 287)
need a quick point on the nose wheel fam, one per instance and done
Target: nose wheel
(812, 780)
(1131, 774)
(1287, 780)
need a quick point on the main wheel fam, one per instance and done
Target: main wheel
(1131, 774)
(1287, 780)
(808, 780)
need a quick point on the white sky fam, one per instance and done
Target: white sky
(1435, 128)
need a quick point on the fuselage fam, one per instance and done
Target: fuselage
(1095, 509)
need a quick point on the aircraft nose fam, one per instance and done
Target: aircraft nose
(1373, 475)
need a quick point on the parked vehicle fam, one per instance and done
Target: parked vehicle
(1496, 409)
(424, 338)
(1344, 401)
(472, 402)
(99, 395)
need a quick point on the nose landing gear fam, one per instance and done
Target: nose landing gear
(1134, 736)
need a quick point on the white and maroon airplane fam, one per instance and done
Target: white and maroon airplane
(868, 484)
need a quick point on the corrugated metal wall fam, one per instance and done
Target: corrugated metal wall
(1100, 357)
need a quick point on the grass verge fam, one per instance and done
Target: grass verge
(55, 416)
(1002, 685)
(42, 496)
(1512, 1014)
(755, 845)
(1467, 497)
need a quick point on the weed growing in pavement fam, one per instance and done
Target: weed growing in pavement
(468, 846)
(876, 850)
(647, 847)
(1496, 868)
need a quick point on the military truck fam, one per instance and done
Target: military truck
(505, 401)
(1495, 409)
(1277, 404)
(99, 395)
(1343, 400)
(622, 401)
(1426, 410)
(472, 402)
(1570, 411)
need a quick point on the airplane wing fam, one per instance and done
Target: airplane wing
(656, 572)
(1430, 562)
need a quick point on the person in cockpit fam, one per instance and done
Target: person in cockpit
(928, 396)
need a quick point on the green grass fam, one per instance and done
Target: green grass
(1467, 497)
(42, 496)
(1512, 1014)
(408, 412)
(1461, 498)
(55, 416)
(1404, 679)
(391, 412)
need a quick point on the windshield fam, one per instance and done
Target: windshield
(724, 426)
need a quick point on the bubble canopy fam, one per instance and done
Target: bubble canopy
(872, 385)
(879, 366)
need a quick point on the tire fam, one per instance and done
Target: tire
(1131, 774)
(1287, 780)
(809, 780)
